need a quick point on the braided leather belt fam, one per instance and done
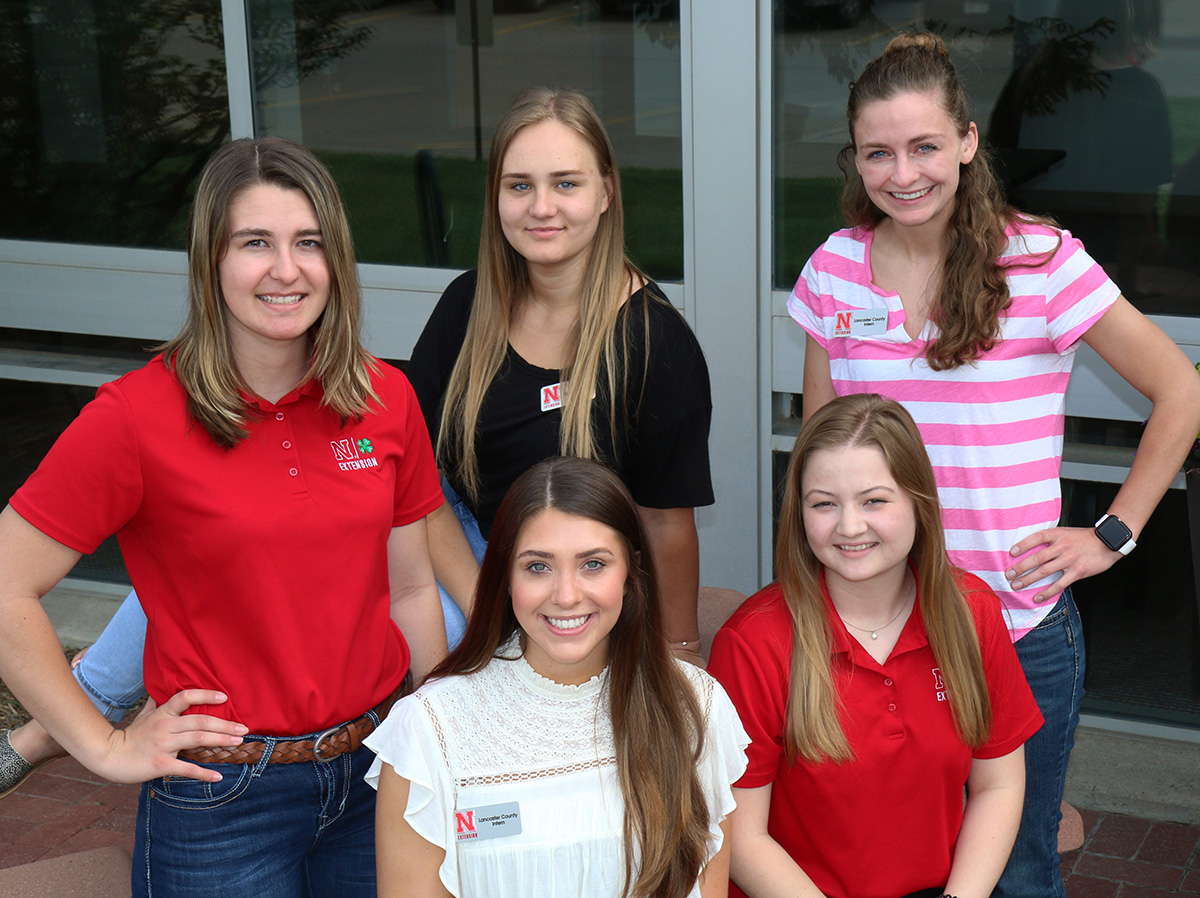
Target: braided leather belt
(325, 747)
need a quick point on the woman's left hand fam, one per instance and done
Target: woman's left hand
(1075, 552)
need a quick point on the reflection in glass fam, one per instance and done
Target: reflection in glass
(402, 94)
(34, 416)
(110, 108)
(1084, 92)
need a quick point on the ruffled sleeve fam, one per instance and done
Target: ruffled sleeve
(723, 760)
(408, 741)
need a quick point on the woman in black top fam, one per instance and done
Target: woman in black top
(556, 302)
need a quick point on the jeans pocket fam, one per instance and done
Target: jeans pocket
(185, 793)
(1060, 614)
(1054, 619)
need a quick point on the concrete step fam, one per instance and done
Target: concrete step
(79, 609)
(1142, 770)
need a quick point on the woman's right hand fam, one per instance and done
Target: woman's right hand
(148, 747)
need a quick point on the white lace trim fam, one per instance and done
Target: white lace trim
(507, 723)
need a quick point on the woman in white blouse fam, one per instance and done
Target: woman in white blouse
(560, 750)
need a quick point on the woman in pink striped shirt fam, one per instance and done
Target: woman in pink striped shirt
(943, 297)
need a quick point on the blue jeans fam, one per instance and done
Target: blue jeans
(268, 830)
(456, 621)
(1053, 660)
(111, 671)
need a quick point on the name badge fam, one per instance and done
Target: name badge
(552, 397)
(489, 822)
(860, 323)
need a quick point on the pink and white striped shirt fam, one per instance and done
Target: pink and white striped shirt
(993, 429)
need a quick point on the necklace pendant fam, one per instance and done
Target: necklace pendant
(874, 634)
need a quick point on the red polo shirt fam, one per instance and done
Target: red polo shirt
(884, 824)
(263, 568)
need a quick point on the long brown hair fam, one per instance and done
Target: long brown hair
(201, 353)
(814, 729)
(503, 280)
(658, 727)
(973, 292)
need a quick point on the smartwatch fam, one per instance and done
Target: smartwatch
(1114, 534)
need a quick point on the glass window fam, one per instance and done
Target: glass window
(401, 100)
(1140, 616)
(1092, 107)
(1098, 115)
(34, 415)
(110, 108)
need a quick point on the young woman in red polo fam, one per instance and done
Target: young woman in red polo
(268, 481)
(876, 682)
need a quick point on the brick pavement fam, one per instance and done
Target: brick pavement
(1128, 857)
(64, 808)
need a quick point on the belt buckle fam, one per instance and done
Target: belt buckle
(328, 734)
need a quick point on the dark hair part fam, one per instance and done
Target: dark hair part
(814, 729)
(201, 353)
(658, 726)
(973, 292)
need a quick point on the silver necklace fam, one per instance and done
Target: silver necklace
(875, 633)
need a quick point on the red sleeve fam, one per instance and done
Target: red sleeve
(1015, 714)
(90, 483)
(751, 658)
(418, 489)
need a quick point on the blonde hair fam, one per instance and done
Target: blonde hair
(201, 353)
(658, 726)
(973, 292)
(503, 281)
(814, 730)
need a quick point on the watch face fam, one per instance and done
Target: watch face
(1113, 533)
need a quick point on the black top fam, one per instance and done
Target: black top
(660, 447)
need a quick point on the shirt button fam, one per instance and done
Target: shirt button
(891, 707)
(293, 471)
(887, 682)
(279, 416)
(287, 444)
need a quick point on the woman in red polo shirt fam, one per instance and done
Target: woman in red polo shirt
(876, 682)
(268, 481)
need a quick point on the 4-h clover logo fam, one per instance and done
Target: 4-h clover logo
(364, 446)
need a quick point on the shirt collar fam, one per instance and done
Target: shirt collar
(310, 388)
(911, 637)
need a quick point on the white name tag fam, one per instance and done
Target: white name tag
(489, 822)
(860, 323)
(552, 397)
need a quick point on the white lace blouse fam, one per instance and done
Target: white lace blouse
(514, 775)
